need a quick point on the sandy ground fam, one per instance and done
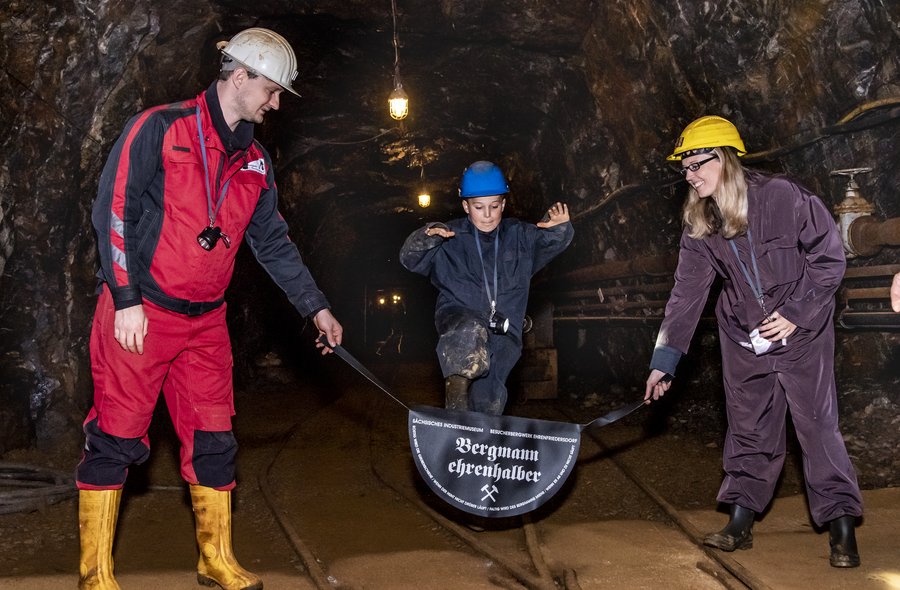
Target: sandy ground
(328, 496)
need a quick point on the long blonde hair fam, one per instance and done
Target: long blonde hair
(725, 212)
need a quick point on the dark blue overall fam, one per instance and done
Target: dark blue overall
(458, 270)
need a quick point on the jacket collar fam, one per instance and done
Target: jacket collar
(233, 141)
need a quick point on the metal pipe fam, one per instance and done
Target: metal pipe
(665, 266)
(852, 207)
(879, 293)
(581, 294)
(619, 269)
(601, 293)
(613, 306)
(647, 321)
(867, 235)
(868, 319)
(861, 272)
(607, 318)
(847, 320)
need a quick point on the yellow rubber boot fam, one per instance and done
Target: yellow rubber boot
(217, 565)
(98, 511)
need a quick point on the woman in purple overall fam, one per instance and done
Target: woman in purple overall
(779, 253)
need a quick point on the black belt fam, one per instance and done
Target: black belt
(183, 306)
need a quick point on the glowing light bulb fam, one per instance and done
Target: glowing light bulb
(399, 103)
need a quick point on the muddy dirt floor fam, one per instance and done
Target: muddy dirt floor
(328, 497)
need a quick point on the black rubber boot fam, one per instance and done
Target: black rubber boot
(736, 534)
(457, 392)
(843, 542)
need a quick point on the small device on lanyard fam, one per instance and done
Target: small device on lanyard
(498, 323)
(209, 237)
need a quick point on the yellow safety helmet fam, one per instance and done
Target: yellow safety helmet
(708, 132)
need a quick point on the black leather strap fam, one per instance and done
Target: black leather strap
(339, 350)
(342, 352)
(611, 417)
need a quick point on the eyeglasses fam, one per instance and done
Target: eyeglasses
(696, 165)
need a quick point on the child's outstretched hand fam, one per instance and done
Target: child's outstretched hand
(558, 213)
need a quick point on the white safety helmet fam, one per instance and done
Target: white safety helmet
(261, 51)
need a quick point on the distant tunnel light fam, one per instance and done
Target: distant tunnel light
(395, 298)
(382, 300)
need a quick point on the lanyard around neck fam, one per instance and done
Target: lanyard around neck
(208, 181)
(756, 287)
(492, 299)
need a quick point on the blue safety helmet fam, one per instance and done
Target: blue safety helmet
(482, 179)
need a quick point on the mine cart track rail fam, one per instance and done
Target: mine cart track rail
(731, 574)
(724, 569)
(24, 488)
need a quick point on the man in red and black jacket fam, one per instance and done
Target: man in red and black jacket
(185, 184)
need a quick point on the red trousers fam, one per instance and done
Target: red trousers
(189, 359)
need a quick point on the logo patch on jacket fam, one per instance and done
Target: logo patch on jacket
(256, 166)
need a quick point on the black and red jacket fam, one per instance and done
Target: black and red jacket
(152, 204)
